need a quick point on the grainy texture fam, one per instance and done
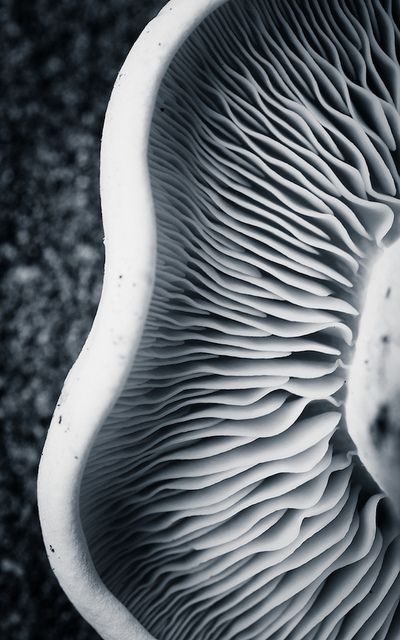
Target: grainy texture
(59, 64)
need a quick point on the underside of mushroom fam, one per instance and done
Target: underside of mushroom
(224, 498)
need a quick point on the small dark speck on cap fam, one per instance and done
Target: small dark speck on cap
(388, 292)
(60, 420)
(51, 548)
(385, 338)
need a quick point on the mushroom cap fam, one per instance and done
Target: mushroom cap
(199, 480)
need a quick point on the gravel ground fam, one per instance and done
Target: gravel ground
(59, 62)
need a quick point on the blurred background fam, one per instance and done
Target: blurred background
(58, 62)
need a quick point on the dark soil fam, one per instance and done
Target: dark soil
(59, 61)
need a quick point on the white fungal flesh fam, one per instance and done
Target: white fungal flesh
(223, 499)
(374, 418)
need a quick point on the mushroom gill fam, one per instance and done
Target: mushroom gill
(223, 497)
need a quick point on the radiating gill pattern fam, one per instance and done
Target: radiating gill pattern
(223, 499)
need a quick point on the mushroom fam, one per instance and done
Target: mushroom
(204, 482)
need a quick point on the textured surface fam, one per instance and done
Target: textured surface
(59, 62)
(223, 498)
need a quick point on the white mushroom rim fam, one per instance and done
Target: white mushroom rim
(198, 481)
(86, 399)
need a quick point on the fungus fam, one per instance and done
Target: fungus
(220, 494)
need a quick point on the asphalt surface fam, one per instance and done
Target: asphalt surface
(58, 65)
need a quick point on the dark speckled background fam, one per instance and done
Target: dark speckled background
(58, 62)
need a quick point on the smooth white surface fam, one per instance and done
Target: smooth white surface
(375, 375)
(95, 381)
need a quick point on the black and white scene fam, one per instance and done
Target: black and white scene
(200, 303)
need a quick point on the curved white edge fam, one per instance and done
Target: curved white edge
(96, 379)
